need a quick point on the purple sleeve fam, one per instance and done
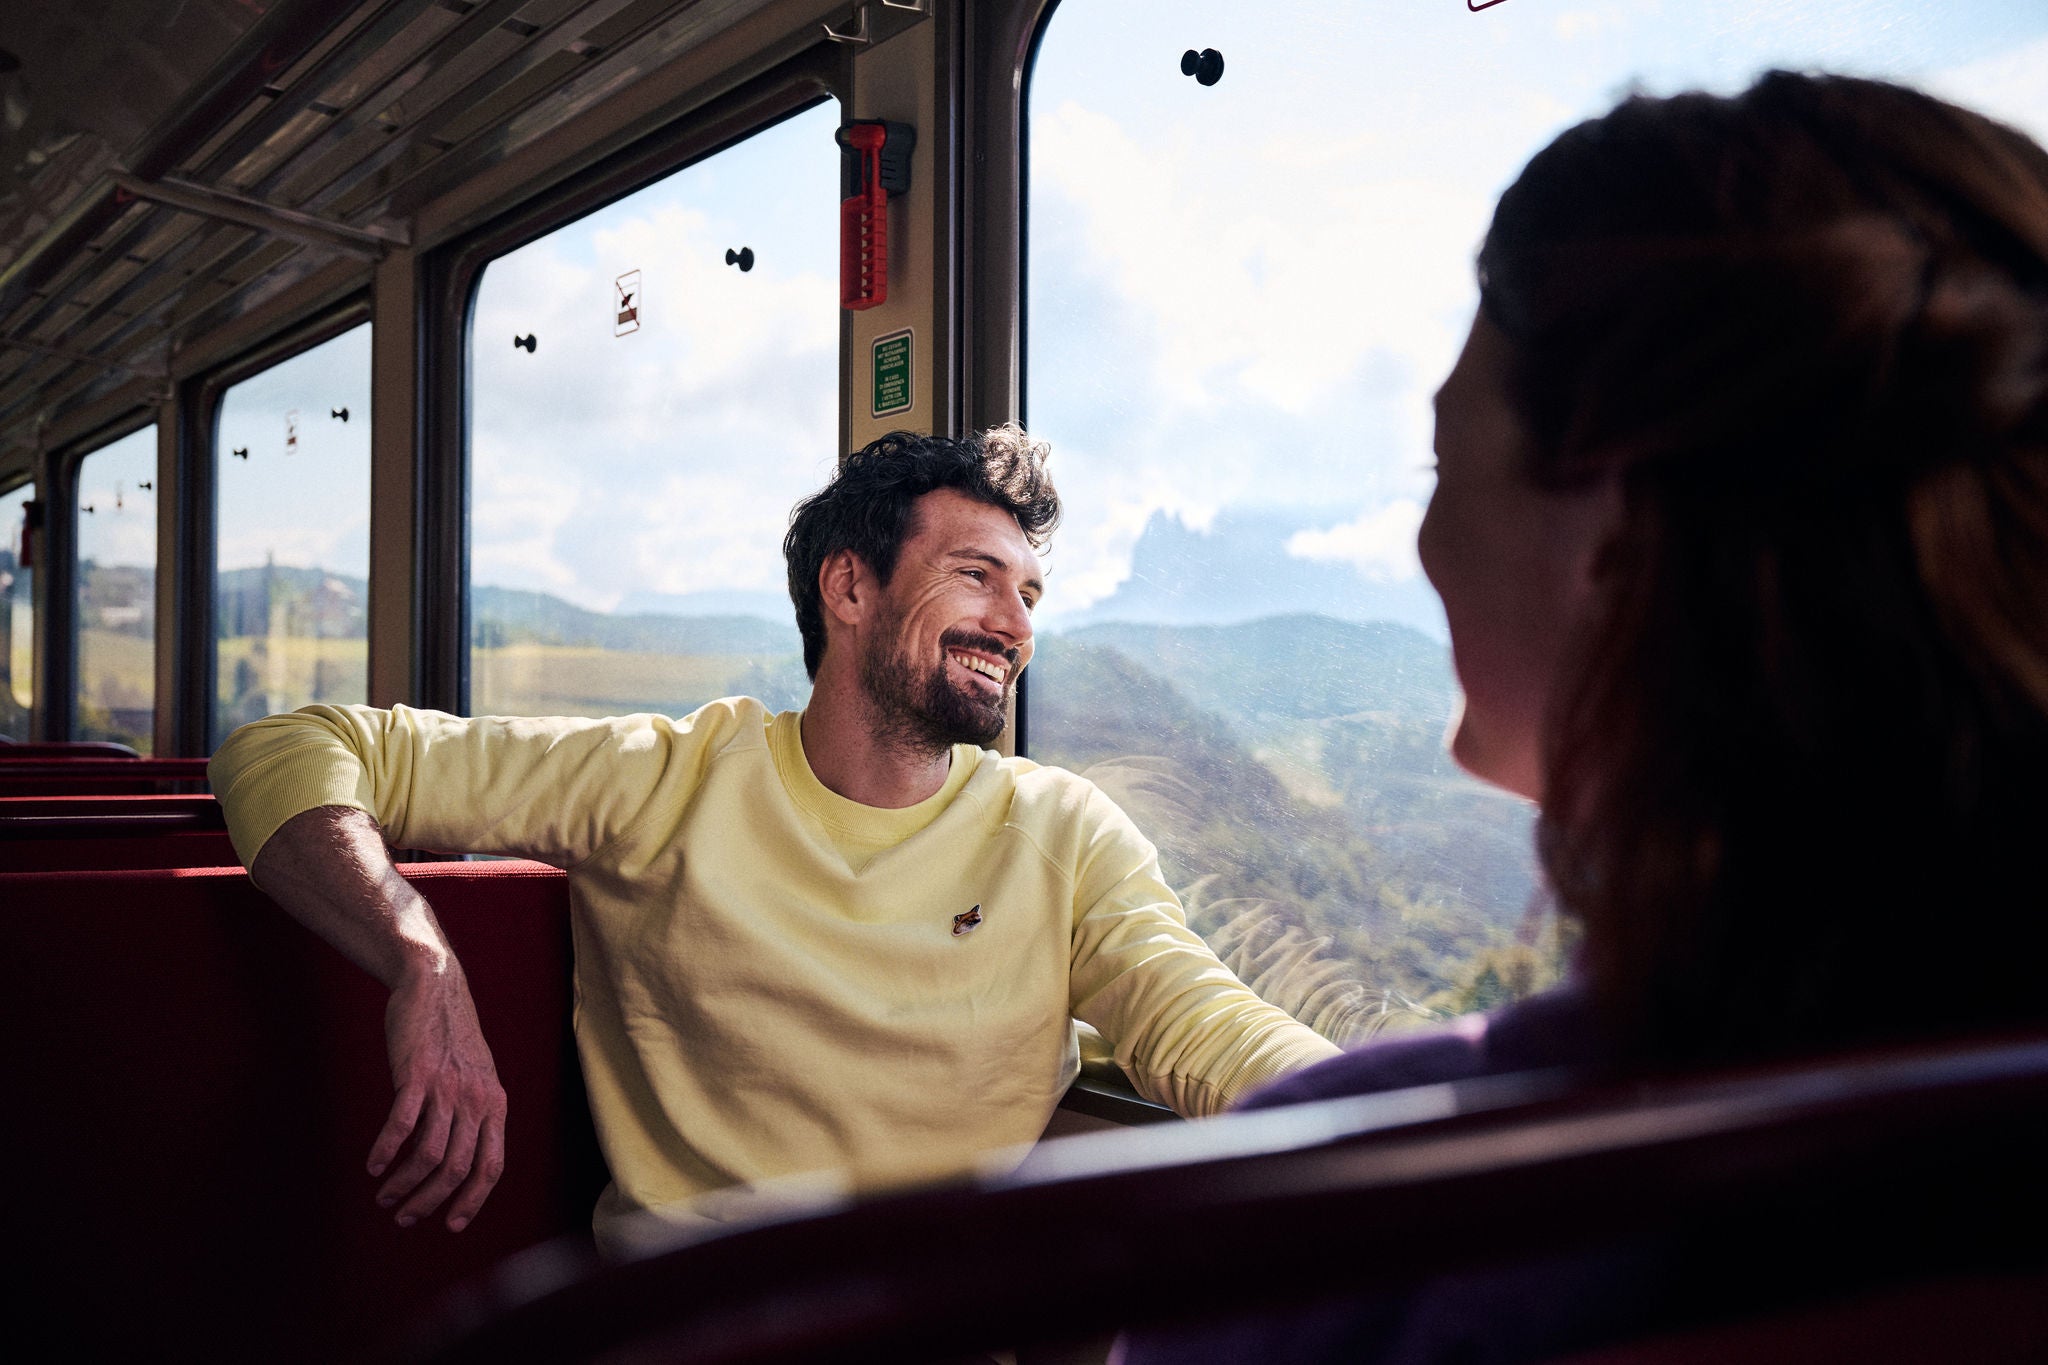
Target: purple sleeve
(1454, 1053)
(1544, 1031)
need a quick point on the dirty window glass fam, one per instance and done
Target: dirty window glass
(17, 617)
(291, 596)
(654, 386)
(116, 585)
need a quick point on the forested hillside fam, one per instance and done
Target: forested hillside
(1292, 772)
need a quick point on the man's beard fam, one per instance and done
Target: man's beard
(922, 710)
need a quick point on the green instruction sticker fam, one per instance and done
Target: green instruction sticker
(892, 374)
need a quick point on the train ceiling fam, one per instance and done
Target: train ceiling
(167, 167)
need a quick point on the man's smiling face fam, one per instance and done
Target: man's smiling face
(954, 630)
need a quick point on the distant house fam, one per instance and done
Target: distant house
(117, 597)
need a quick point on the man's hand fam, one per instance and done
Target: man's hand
(449, 1104)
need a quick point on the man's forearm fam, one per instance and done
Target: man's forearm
(329, 868)
(446, 1132)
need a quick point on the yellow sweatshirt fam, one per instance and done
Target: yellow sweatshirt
(768, 977)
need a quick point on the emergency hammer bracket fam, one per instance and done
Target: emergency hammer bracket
(881, 150)
(899, 140)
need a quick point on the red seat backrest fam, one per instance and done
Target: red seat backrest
(98, 833)
(205, 848)
(197, 1083)
(1985, 1319)
(25, 751)
(101, 776)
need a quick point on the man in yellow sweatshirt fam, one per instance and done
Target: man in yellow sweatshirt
(844, 939)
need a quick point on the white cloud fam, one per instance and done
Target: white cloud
(1581, 23)
(126, 538)
(2012, 86)
(706, 531)
(1379, 543)
(1273, 283)
(665, 460)
(299, 545)
(1108, 502)
(514, 518)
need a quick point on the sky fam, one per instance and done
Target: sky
(1243, 296)
(1240, 300)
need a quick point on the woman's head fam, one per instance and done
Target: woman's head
(1775, 377)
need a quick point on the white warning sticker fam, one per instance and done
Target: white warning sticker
(626, 303)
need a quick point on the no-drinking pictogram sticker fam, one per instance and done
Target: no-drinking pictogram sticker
(626, 303)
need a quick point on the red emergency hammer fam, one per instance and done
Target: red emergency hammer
(864, 223)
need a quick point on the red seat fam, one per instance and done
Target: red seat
(1979, 1319)
(1884, 1206)
(101, 776)
(197, 1081)
(95, 833)
(20, 751)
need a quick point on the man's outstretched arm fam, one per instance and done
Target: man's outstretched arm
(329, 868)
(1185, 1029)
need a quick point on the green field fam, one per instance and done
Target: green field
(116, 685)
(565, 680)
(260, 675)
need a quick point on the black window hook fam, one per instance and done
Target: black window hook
(342, 413)
(527, 341)
(241, 452)
(743, 258)
(1205, 66)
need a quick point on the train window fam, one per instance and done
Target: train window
(654, 385)
(116, 587)
(293, 462)
(1247, 274)
(17, 616)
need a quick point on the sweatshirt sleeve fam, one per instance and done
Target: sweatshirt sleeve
(553, 789)
(1187, 1032)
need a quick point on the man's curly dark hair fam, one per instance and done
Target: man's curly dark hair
(867, 508)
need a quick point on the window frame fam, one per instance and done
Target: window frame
(1003, 39)
(451, 277)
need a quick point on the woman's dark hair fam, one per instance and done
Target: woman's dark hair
(1795, 767)
(867, 508)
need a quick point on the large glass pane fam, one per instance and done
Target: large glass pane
(630, 480)
(117, 592)
(17, 617)
(293, 456)
(1242, 295)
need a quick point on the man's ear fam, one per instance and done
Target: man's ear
(848, 588)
